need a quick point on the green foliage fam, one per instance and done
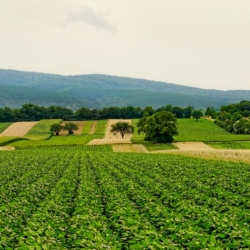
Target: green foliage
(41, 130)
(4, 125)
(159, 127)
(70, 127)
(122, 128)
(55, 128)
(136, 137)
(197, 114)
(60, 199)
(205, 130)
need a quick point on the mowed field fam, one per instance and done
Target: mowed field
(54, 199)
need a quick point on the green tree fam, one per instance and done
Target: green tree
(122, 128)
(70, 126)
(197, 114)
(159, 127)
(55, 128)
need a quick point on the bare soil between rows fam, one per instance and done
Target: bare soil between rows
(18, 129)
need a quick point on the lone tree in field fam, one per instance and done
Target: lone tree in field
(122, 128)
(159, 127)
(55, 128)
(197, 114)
(70, 126)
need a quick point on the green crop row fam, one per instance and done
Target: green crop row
(9, 139)
(62, 199)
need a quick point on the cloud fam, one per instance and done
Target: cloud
(91, 16)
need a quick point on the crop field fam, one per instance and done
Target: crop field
(57, 140)
(8, 139)
(77, 200)
(4, 125)
(230, 145)
(205, 130)
(159, 146)
(100, 128)
(41, 130)
(86, 127)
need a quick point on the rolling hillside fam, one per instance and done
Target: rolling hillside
(98, 91)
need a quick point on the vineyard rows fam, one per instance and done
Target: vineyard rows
(83, 200)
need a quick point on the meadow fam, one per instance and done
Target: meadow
(205, 130)
(76, 200)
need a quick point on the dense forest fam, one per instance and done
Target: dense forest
(32, 112)
(100, 91)
(235, 117)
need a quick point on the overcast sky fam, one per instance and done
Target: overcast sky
(197, 43)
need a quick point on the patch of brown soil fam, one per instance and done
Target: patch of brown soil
(7, 148)
(92, 128)
(192, 146)
(18, 129)
(80, 125)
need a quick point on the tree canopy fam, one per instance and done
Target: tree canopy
(56, 128)
(70, 126)
(159, 127)
(122, 128)
(197, 114)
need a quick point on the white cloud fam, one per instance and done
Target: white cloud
(91, 16)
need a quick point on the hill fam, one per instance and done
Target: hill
(98, 91)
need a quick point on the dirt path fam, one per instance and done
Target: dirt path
(110, 138)
(192, 146)
(7, 148)
(18, 129)
(92, 128)
(80, 125)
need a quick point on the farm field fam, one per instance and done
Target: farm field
(80, 125)
(18, 129)
(4, 125)
(121, 201)
(8, 139)
(205, 130)
(86, 127)
(56, 140)
(230, 145)
(41, 130)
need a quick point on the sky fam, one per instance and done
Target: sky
(197, 43)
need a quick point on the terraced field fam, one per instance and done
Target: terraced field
(54, 199)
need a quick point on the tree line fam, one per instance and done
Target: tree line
(33, 112)
(235, 117)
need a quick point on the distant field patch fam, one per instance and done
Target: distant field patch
(57, 141)
(205, 130)
(18, 129)
(159, 146)
(41, 130)
(100, 127)
(4, 125)
(230, 145)
(86, 127)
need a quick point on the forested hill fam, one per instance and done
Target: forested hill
(98, 91)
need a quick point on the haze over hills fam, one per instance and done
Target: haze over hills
(99, 91)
